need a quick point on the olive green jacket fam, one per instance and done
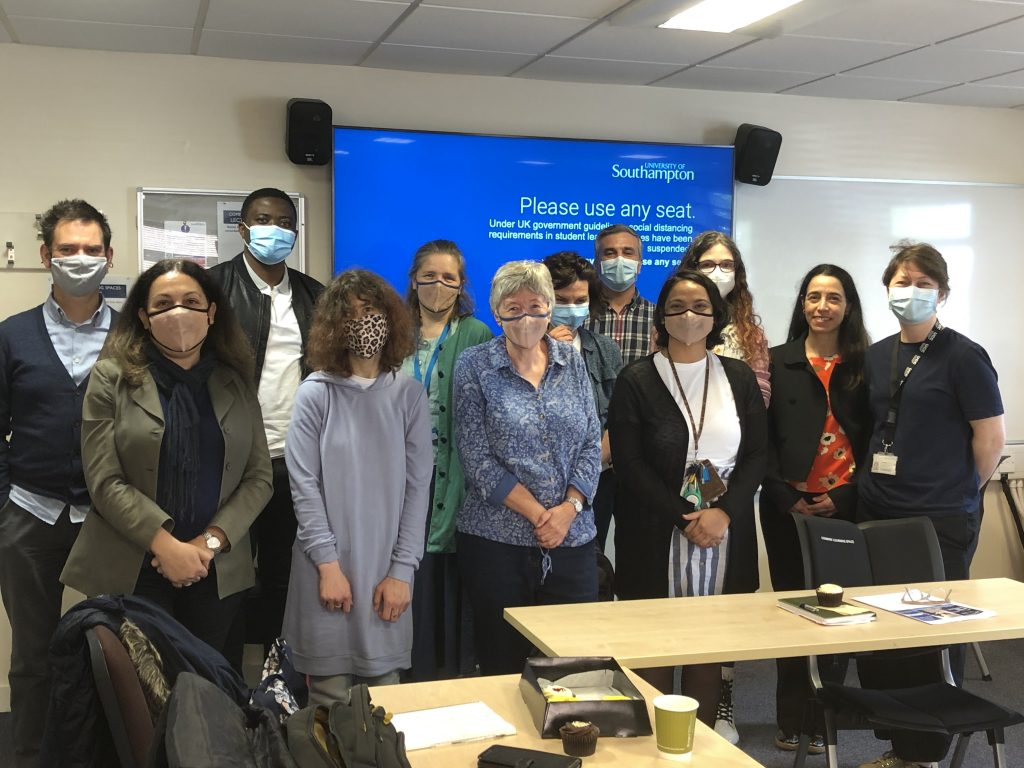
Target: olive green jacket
(122, 431)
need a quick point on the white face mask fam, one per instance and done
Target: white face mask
(912, 304)
(725, 281)
(78, 275)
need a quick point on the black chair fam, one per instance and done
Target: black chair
(904, 552)
(121, 696)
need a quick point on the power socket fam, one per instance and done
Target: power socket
(10, 253)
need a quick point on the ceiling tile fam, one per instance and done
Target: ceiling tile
(243, 45)
(97, 36)
(484, 30)
(726, 79)
(973, 95)
(1012, 79)
(854, 87)
(581, 9)
(1003, 37)
(669, 46)
(445, 60)
(325, 19)
(946, 64)
(807, 54)
(575, 70)
(915, 22)
(153, 13)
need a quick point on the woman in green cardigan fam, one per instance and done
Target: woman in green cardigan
(442, 645)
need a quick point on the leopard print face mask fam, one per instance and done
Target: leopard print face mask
(367, 335)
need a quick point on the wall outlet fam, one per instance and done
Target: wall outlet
(1013, 464)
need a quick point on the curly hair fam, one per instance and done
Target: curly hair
(747, 325)
(127, 341)
(567, 267)
(327, 347)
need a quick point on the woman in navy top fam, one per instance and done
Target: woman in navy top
(530, 442)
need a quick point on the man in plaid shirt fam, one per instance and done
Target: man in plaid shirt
(626, 317)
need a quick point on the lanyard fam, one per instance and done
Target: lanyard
(896, 385)
(425, 380)
(697, 429)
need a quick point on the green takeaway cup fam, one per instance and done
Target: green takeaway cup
(674, 720)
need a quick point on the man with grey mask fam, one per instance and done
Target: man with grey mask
(46, 356)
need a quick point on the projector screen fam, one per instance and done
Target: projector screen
(504, 198)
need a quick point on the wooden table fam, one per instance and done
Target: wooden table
(501, 693)
(670, 631)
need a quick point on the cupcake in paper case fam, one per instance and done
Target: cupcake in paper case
(579, 738)
(830, 595)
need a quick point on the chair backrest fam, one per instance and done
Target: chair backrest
(121, 695)
(903, 550)
(834, 551)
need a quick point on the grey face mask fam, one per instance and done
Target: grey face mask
(78, 275)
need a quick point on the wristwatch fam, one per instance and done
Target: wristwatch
(576, 503)
(213, 543)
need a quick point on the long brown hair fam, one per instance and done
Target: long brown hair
(327, 348)
(128, 339)
(749, 332)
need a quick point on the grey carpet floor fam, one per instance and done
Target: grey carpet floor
(755, 714)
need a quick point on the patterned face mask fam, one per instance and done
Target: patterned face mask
(367, 335)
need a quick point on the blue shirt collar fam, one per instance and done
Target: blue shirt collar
(100, 318)
(557, 352)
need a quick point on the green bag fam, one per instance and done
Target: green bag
(353, 735)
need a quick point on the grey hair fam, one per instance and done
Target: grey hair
(516, 275)
(617, 229)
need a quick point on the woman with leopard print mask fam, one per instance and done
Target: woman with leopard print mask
(360, 460)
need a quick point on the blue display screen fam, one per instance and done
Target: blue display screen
(506, 198)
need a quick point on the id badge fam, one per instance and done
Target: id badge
(883, 464)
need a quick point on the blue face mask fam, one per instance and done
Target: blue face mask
(912, 304)
(572, 315)
(619, 273)
(270, 244)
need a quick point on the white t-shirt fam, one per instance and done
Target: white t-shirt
(720, 439)
(282, 364)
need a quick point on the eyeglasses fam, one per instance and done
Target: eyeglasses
(915, 596)
(708, 266)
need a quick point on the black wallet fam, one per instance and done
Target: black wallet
(499, 756)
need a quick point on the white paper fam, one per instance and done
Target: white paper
(934, 613)
(451, 725)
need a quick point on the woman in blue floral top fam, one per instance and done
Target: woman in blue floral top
(530, 442)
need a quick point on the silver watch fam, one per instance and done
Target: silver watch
(576, 503)
(213, 543)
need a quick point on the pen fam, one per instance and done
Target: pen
(809, 607)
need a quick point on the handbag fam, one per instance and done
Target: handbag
(501, 756)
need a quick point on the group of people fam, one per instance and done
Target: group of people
(393, 476)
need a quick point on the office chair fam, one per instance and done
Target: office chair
(900, 551)
(121, 696)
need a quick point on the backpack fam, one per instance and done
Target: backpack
(353, 735)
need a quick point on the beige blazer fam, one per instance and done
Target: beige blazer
(122, 430)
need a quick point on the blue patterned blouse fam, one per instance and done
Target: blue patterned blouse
(507, 432)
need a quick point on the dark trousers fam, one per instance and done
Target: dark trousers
(499, 576)
(785, 562)
(958, 539)
(32, 556)
(197, 607)
(604, 506)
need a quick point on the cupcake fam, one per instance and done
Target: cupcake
(579, 738)
(830, 595)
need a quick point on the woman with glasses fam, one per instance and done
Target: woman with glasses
(442, 312)
(817, 427)
(530, 442)
(687, 432)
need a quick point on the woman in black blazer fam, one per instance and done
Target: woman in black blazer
(817, 429)
(660, 403)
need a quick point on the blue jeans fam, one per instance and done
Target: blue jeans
(499, 576)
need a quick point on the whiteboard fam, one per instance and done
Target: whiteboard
(794, 223)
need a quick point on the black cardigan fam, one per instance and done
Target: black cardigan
(649, 440)
(796, 417)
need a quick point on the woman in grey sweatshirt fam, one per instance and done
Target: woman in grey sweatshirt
(360, 461)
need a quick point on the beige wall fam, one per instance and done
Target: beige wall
(98, 125)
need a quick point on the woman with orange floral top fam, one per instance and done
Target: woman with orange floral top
(817, 428)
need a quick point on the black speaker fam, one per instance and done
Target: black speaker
(307, 136)
(757, 149)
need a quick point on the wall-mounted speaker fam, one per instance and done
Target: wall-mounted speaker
(757, 149)
(307, 135)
